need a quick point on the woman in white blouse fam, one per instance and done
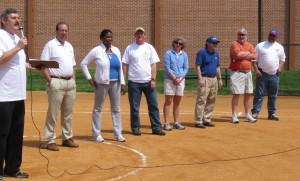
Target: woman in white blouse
(108, 79)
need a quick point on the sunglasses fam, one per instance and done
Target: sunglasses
(178, 43)
(242, 34)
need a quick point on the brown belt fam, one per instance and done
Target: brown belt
(65, 78)
(210, 76)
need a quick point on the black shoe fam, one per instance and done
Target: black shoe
(199, 125)
(273, 117)
(209, 124)
(158, 132)
(136, 132)
(19, 174)
(255, 116)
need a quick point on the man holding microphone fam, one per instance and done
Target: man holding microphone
(12, 94)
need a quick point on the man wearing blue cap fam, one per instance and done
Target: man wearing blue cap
(209, 78)
(270, 58)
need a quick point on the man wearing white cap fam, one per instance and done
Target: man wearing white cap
(270, 58)
(139, 60)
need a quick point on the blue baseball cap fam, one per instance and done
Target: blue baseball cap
(212, 39)
(274, 32)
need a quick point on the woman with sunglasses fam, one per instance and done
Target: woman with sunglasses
(176, 67)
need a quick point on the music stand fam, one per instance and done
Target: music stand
(39, 63)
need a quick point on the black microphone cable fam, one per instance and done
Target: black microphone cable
(39, 132)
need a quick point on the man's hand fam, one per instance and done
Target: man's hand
(201, 82)
(153, 84)
(258, 73)
(22, 43)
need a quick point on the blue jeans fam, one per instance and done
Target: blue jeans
(269, 83)
(135, 94)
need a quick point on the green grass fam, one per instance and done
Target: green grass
(288, 82)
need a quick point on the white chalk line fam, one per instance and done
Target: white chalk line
(138, 168)
(145, 112)
(143, 158)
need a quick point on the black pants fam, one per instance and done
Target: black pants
(11, 135)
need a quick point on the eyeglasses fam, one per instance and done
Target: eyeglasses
(242, 34)
(215, 43)
(178, 43)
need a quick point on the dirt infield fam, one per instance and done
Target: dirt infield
(265, 150)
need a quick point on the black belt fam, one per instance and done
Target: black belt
(65, 78)
(210, 76)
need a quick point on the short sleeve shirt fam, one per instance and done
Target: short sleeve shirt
(209, 61)
(63, 54)
(139, 59)
(12, 72)
(268, 56)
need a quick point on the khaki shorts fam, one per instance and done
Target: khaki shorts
(241, 83)
(171, 89)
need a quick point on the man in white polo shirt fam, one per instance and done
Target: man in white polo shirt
(139, 60)
(12, 94)
(61, 88)
(270, 58)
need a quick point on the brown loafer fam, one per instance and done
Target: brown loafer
(209, 124)
(69, 143)
(52, 147)
(199, 125)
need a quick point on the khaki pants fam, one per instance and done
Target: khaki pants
(205, 102)
(61, 98)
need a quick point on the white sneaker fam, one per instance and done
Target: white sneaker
(235, 120)
(99, 139)
(179, 126)
(120, 138)
(249, 118)
(167, 127)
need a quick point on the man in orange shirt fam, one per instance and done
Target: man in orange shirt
(241, 55)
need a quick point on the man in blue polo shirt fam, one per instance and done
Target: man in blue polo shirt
(209, 78)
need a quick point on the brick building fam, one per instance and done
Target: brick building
(162, 20)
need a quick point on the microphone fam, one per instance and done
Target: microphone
(21, 30)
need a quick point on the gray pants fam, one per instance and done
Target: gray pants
(113, 90)
(61, 98)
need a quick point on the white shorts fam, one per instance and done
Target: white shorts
(171, 89)
(241, 83)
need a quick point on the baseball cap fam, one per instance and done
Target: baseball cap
(274, 32)
(212, 39)
(139, 29)
(242, 31)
